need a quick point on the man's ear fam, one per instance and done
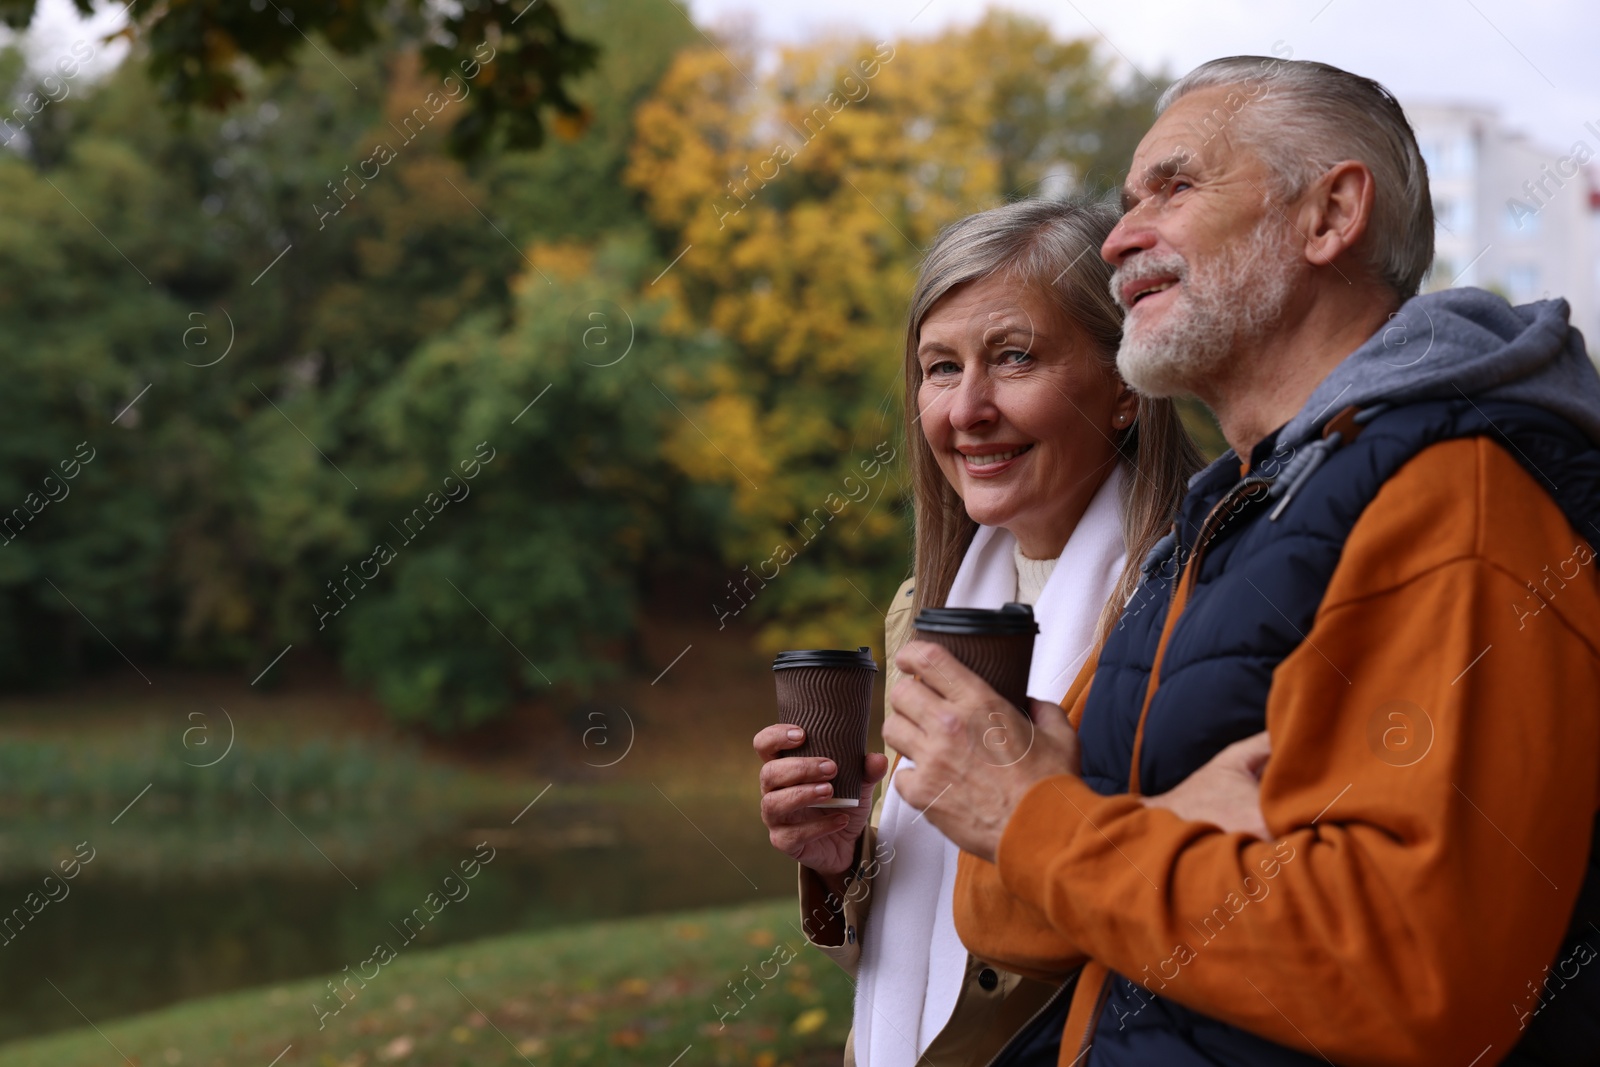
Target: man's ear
(1335, 211)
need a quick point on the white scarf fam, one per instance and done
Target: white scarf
(912, 963)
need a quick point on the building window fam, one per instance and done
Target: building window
(1522, 281)
(1521, 218)
(1447, 157)
(1453, 216)
(1430, 156)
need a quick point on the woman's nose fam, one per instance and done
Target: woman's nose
(973, 403)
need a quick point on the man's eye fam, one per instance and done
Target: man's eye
(1180, 185)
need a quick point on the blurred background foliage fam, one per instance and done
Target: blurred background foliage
(707, 355)
(493, 402)
(201, 53)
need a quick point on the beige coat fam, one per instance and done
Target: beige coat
(994, 1005)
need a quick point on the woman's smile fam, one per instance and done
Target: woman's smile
(989, 461)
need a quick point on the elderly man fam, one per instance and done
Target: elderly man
(1392, 572)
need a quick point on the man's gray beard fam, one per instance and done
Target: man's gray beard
(1235, 297)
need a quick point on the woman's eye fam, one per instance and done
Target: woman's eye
(1015, 357)
(941, 368)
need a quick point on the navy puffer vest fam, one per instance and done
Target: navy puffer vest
(1221, 655)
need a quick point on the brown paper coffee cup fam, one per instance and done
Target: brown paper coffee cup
(996, 645)
(828, 694)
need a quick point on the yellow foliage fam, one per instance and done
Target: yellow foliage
(565, 261)
(805, 202)
(810, 1021)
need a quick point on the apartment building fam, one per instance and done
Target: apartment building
(1511, 215)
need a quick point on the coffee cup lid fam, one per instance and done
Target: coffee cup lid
(860, 659)
(1007, 620)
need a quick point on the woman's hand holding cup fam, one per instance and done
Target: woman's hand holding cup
(823, 839)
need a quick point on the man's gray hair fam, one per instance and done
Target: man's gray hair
(1301, 118)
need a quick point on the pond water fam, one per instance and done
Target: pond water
(128, 938)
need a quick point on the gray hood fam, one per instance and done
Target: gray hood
(1463, 342)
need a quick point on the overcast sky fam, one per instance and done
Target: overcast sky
(1534, 60)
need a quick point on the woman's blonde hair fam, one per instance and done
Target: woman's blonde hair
(1052, 248)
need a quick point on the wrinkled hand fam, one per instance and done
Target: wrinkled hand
(823, 839)
(1226, 792)
(975, 754)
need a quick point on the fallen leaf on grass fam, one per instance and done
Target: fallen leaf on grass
(530, 1046)
(405, 1002)
(461, 1035)
(634, 987)
(398, 1049)
(690, 932)
(760, 938)
(810, 1021)
(766, 1059)
(629, 1038)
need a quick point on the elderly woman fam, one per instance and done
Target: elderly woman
(1038, 477)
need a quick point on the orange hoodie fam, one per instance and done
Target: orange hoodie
(1433, 784)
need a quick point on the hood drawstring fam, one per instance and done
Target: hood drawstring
(1343, 427)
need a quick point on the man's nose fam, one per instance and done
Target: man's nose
(1131, 234)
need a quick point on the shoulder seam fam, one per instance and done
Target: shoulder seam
(1488, 564)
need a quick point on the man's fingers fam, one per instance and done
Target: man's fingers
(1251, 753)
(912, 701)
(901, 729)
(1050, 719)
(909, 785)
(936, 668)
(1053, 725)
(877, 768)
(771, 741)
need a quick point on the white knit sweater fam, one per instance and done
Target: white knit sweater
(1032, 574)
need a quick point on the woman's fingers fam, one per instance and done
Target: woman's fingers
(772, 741)
(790, 838)
(796, 770)
(783, 807)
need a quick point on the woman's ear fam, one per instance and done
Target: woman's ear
(1125, 411)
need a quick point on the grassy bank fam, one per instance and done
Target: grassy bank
(638, 991)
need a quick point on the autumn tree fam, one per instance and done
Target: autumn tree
(202, 53)
(800, 205)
